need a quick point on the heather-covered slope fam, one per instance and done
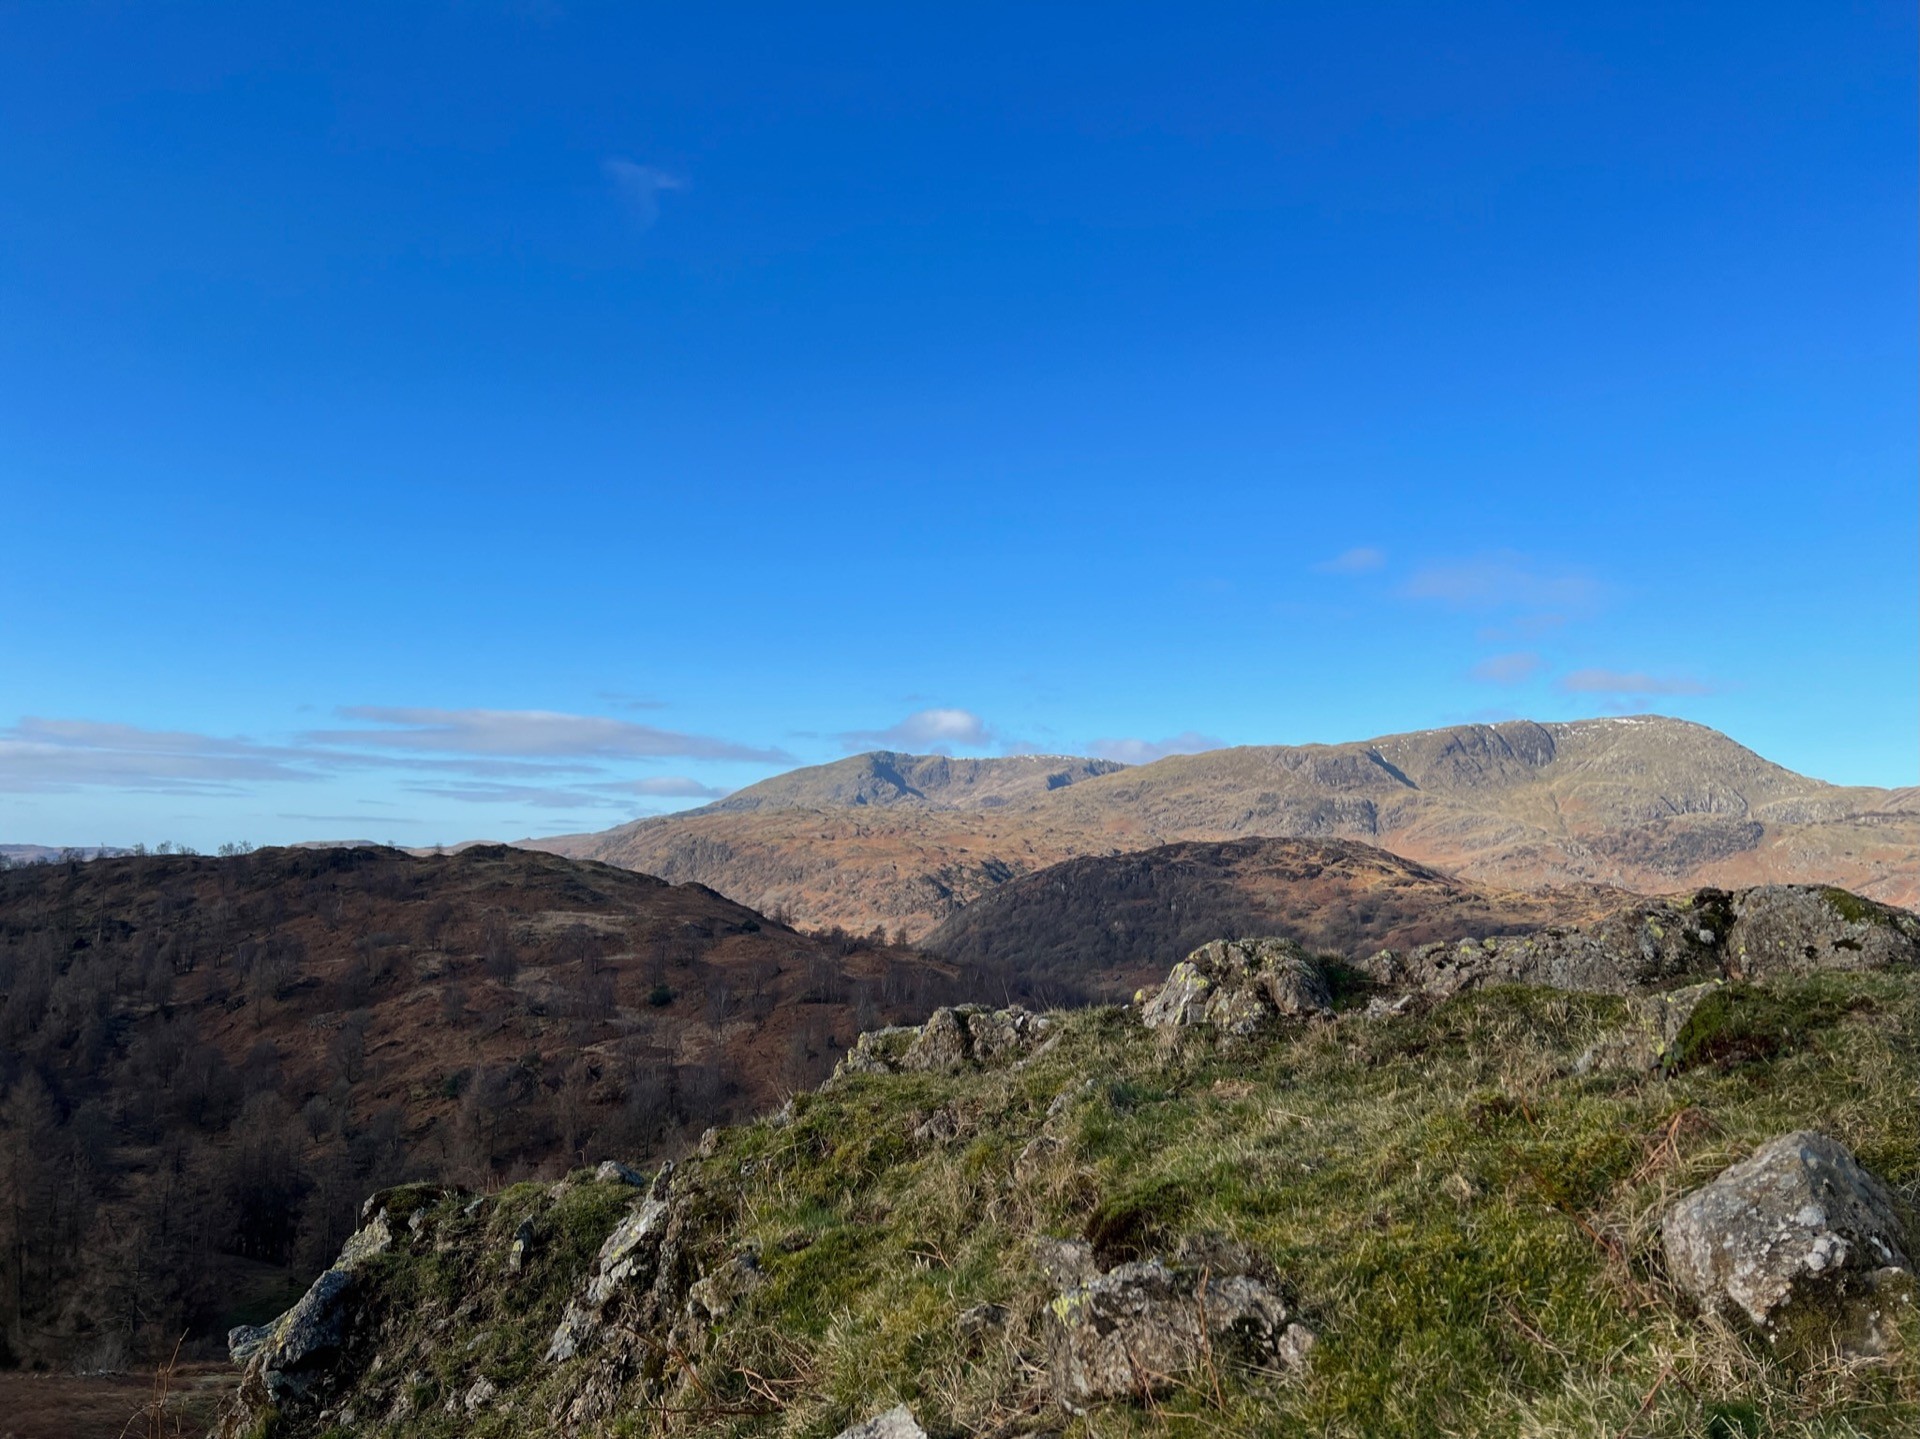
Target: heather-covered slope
(1645, 803)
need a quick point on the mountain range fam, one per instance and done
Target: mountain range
(1642, 803)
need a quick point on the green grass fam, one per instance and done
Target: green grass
(1471, 1230)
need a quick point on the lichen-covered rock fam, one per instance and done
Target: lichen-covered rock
(714, 1295)
(1239, 986)
(877, 1051)
(625, 1261)
(896, 1423)
(972, 1033)
(1132, 1332)
(1654, 1023)
(1661, 944)
(953, 1038)
(286, 1354)
(1793, 929)
(1803, 1242)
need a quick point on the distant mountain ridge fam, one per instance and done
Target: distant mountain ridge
(885, 777)
(1645, 803)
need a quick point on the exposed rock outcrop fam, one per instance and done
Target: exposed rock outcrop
(290, 1363)
(1803, 1242)
(1239, 987)
(626, 1263)
(1748, 934)
(952, 1038)
(1133, 1331)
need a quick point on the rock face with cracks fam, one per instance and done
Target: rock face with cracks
(1748, 934)
(1134, 1331)
(1802, 1242)
(1239, 986)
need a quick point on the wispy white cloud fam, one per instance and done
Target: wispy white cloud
(667, 786)
(1631, 682)
(1145, 751)
(540, 796)
(535, 757)
(524, 733)
(54, 755)
(1503, 581)
(1508, 669)
(1361, 560)
(640, 188)
(937, 730)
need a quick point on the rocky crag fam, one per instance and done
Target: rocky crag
(1444, 1192)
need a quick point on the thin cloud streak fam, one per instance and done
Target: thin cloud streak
(640, 188)
(1504, 580)
(1146, 751)
(544, 733)
(1361, 560)
(670, 786)
(1507, 669)
(1631, 682)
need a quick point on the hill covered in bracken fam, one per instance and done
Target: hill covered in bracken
(1646, 803)
(206, 1064)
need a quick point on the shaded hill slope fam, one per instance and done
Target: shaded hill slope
(204, 1063)
(1646, 803)
(1104, 925)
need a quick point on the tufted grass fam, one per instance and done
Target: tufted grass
(1469, 1225)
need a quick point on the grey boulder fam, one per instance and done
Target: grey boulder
(1802, 1242)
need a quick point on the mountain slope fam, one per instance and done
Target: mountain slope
(1645, 803)
(204, 1063)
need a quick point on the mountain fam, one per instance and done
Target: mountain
(206, 1062)
(1270, 1200)
(884, 778)
(1106, 924)
(1643, 803)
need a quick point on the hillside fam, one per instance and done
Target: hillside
(1275, 1198)
(1646, 804)
(885, 778)
(207, 1062)
(1105, 925)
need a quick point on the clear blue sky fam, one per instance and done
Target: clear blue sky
(424, 420)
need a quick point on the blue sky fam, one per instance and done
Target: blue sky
(422, 421)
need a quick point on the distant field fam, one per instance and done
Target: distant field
(108, 1406)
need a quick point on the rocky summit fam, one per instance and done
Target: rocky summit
(1654, 1175)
